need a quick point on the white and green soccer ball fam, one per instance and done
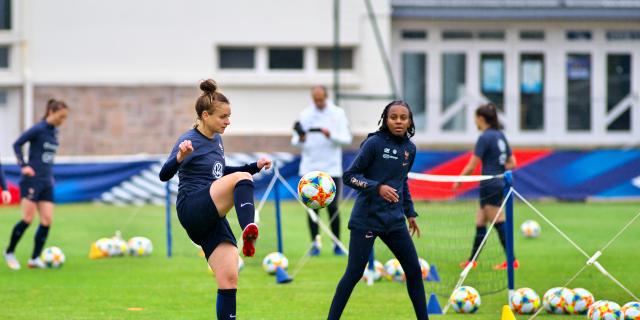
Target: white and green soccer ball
(530, 229)
(578, 301)
(273, 260)
(140, 246)
(377, 273)
(394, 271)
(119, 247)
(53, 257)
(524, 301)
(605, 310)
(631, 311)
(316, 189)
(553, 300)
(465, 300)
(106, 246)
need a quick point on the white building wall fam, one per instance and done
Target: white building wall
(152, 42)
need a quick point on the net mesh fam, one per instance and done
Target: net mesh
(447, 220)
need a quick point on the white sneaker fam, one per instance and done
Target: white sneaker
(36, 263)
(11, 260)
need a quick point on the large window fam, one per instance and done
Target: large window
(236, 58)
(492, 78)
(453, 89)
(4, 57)
(414, 84)
(286, 58)
(578, 92)
(325, 58)
(531, 91)
(5, 14)
(619, 88)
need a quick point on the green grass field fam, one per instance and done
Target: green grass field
(182, 287)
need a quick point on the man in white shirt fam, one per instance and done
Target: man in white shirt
(321, 131)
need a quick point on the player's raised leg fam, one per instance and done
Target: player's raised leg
(236, 189)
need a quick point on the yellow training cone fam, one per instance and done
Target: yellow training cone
(507, 314)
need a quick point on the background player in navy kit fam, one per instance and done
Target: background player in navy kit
(383, 206)
(6, 195)
(207, 191)
(494, 152)
(36, 183)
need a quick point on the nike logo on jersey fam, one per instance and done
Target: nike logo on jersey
(246, 203)
(368, 235)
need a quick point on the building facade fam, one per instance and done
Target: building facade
(564, 73)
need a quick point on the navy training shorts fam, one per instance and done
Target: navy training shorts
(36, 190)
(491, 195)
(198, 215)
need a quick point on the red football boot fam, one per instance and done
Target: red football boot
(249, 237)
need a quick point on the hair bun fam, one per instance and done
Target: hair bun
(208, 86)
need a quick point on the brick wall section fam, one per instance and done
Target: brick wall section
(119, 120)
(133, 120)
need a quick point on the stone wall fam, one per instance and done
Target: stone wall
(133, 120)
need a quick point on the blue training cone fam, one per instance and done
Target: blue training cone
(282, 276)
(433, 307)
(433, 274)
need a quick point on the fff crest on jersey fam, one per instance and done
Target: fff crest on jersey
(217, 170)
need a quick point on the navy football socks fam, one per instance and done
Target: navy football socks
(480, 233)
(39, 239)
(226, 303)
(243, 201)
(16, 234)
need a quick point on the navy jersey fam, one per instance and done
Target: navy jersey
(205, 164)
(382, 159)
(3, 182)
(43, 145)
(493, 150)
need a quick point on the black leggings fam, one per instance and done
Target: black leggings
(401, 245)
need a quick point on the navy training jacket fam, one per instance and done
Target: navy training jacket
(383, 159)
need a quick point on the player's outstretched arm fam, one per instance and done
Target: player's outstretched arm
(251, 168)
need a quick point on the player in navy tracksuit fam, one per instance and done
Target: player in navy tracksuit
(383, 206)
(208, 189)
(36, 183)
(6, 195)
(494, 152)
